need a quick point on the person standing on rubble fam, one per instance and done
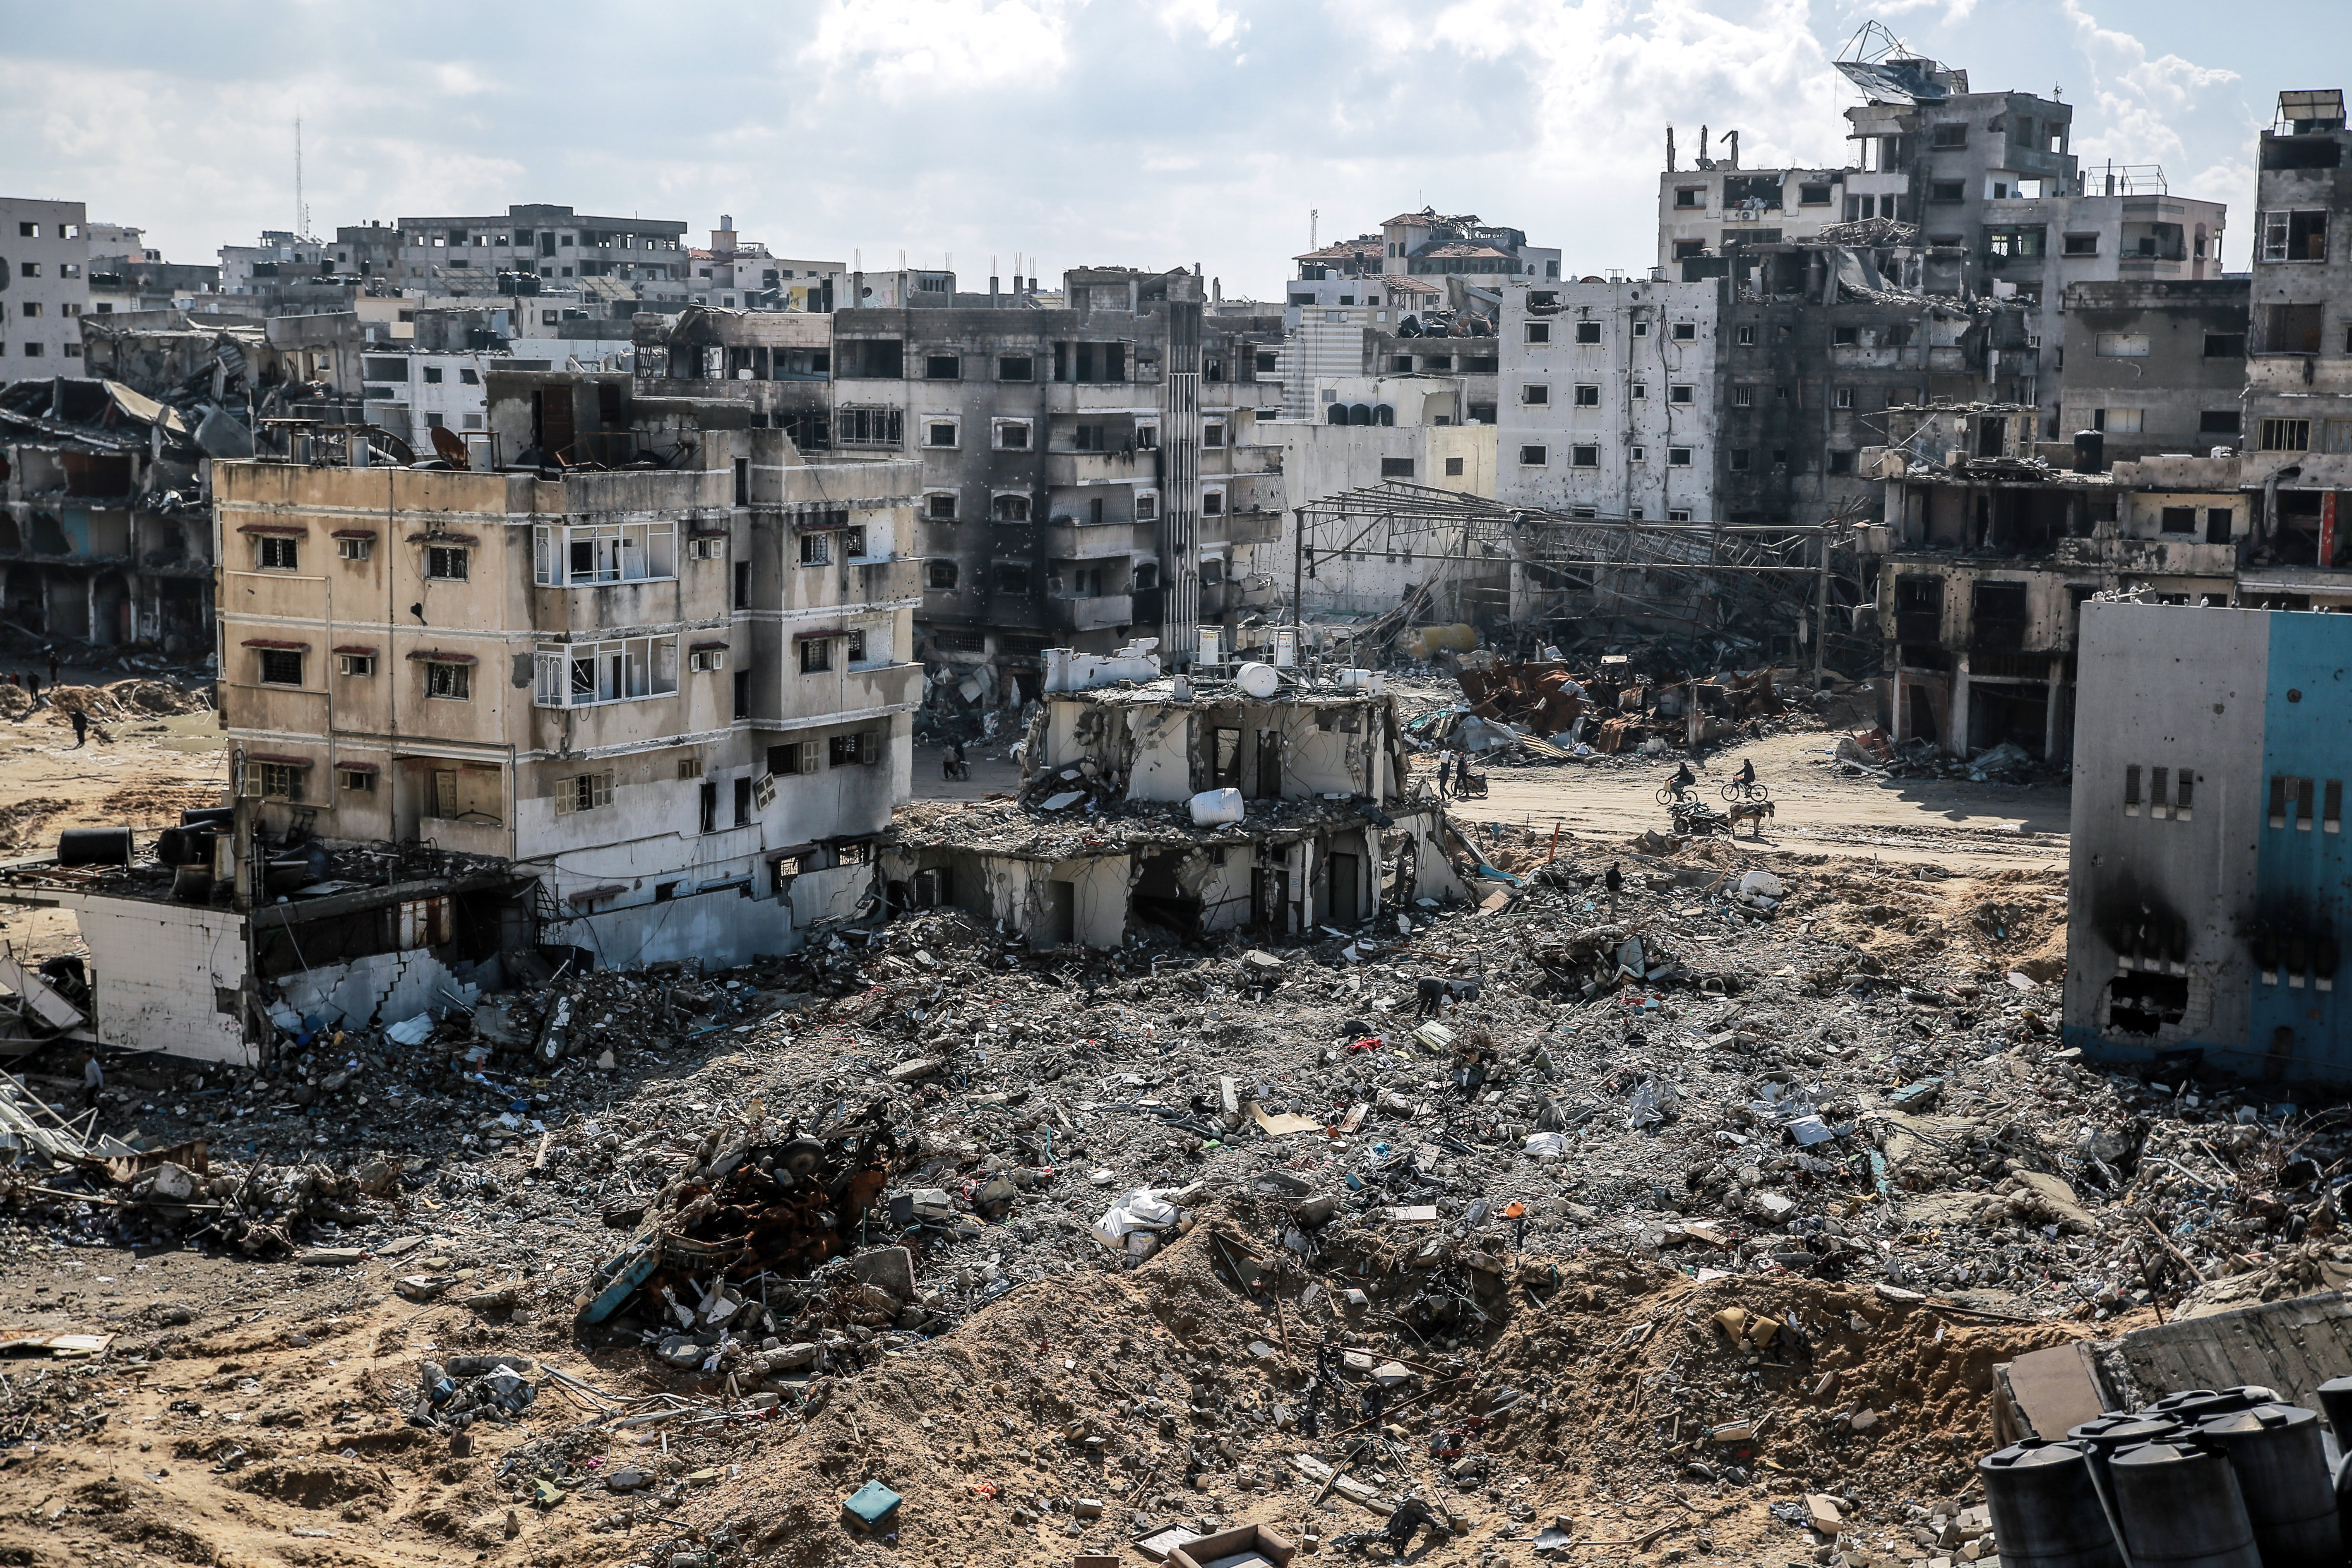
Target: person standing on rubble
(81, 727)
(54, 666)
(93, 1081)
(33, 685)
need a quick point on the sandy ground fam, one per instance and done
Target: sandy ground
(140, 772)
(1976, 825)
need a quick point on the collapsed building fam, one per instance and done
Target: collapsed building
(1240, 798)
(648, 706)
(105, 537)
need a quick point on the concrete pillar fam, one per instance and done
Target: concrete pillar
(1956, 728)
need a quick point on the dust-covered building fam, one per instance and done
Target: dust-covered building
(1238, 799)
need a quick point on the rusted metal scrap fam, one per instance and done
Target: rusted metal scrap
(780, 1205)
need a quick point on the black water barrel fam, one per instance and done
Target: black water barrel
(2283, 1474)
(2108, 1435)
(2191, 1405)
(2090, 452)
(94, 847)
(2045, 1512)
(191, 884)
(2335, 1398)
(208, 816)
(2180, 1508)
(185, 846)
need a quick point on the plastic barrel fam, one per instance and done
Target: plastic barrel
(2045, 1512)
(2283, 1474)
(2109, 1436)
(184, 846)
(2335, 1398)
(94, 847)
(208, 816)
(2090, 452)
(2191, 1405)
(2180, 1508)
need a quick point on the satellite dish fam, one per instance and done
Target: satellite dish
(451, 446)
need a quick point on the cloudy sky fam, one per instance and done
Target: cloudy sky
(1074, 132)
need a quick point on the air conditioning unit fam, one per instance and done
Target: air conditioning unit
(712, 549)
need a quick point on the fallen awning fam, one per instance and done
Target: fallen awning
(442, 656)
(277, 643)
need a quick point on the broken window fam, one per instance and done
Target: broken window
(1535, 457)
(792, 757)
(447, 562)
(2184, 793)
(943, 367)
(2120, 345)
(2225, 422)
(869, 426)
(282, 781)
(1538, 332)
(2176, 520)
(2292, 329)
(816, 549)
(1681, 392)
(583, 792)
(1587, 331)
(1813, 195)
(1846, 337)
(2131, 790)
(2287, 435)
(939, 433)
(1011, 577)
(1584, 456)
(359, 666)
(1016, 367)
(1535, 394)
(1686, 332)
(2014, 240)
(940, 506)
(453, 681)
(1586, 397)
(2081, 245)
(1840, 462)
(2219, 523)
(1740, 460)
(2295, 235)
(1690, 195)
(1011, 509)
(1842, 398)
(281, 667)
(940, 576)
(1948, 190)
(851, 750)
(1942, 138)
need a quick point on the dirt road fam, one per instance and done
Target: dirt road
(1979, 826)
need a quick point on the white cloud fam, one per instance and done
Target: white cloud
(902, 47)
(2139, 96)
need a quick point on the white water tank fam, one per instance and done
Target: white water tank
(1258, 680)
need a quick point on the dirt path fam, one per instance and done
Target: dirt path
(1978, 827)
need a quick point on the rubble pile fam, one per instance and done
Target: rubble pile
(1703, 1172)
(1541, 711)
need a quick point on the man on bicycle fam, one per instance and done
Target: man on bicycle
(1746, 777)
(1684, 778)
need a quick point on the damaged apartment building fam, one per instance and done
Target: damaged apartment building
(641, 693)
(105, 536)
(1977, 191)
(1089, 474)
(1995, 541)
(1238, 798)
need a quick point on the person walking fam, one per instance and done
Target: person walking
(54, 667)
(1445, 774)
(93, 1080)
(1614, 881)
(81, 727)
(33, 685)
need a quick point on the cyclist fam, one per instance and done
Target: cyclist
(1684, 778)
(1746, 777)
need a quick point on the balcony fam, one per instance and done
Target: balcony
(1100, 396)
(467, 838)
(1083, 541)
(1067, 611)
(1242, 528)
(1099, 467)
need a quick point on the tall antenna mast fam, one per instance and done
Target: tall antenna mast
(302, 212)
(1314, 221)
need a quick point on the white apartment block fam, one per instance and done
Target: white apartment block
(43, 287)
(1607, 398)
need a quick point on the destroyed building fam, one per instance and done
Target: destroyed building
(737, 269)
(1240, 798)
(1089, 474)
(539, 240)
(1610, 399)
(43, 287)
(2298, 404)
(641, 694)
(1980, 186)
(105, 535)
(2208, 867)
(2155, 368)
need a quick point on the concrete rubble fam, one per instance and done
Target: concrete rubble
(1734, 1184)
